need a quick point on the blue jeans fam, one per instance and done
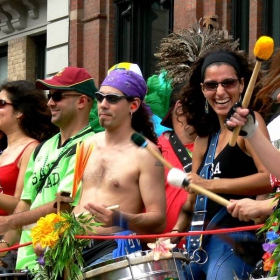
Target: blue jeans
(222, 263)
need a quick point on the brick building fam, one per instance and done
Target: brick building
(39, 37)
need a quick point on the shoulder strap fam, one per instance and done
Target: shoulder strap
(181, 151)
(43, 180)
(18, 157)
(200, 211)
(38, 148)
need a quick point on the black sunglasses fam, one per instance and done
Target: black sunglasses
(3, 103)
(58, 95)
(226, 84)
(111, 98)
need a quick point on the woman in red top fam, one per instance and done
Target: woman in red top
(25, 119)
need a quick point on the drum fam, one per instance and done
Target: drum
(14, 276)
(138, 265)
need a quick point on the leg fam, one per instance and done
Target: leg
(223, 263)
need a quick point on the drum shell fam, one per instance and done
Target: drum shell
(14, 276)
(139, 265)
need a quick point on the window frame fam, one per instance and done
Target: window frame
(133, 32)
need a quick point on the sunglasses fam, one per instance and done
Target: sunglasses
(58, 95)
(226, 84)
(3, 103)
(111, 98)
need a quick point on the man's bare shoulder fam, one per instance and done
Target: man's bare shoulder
(95, 138)
(147, 157)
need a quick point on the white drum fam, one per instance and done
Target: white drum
(138, 265)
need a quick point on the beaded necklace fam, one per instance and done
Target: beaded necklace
(65, 146)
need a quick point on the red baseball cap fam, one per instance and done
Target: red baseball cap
(70, 78)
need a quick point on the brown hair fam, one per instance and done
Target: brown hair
(32, 103)
(268, 84)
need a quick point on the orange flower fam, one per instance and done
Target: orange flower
(44, 232)
(161, 248)
(267, 261)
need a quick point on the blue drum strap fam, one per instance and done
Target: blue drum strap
(199, 214)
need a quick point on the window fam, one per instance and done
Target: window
(271, 22)
(3, 63)
(40, 42)
(139, 29)
(240, 22)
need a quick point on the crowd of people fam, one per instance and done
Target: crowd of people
(40, 133)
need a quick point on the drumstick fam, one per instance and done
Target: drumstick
(179, 178)
(140, 141)
(113, 207)
(263, 50)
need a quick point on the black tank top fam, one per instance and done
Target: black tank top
(232, 162)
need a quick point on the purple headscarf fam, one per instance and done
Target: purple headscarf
(128, 82)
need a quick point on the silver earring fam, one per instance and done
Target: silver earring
(206, 107)
(240, 99)
(130, 114)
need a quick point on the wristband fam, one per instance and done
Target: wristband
(119, 220)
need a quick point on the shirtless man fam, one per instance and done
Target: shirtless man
(119, 172)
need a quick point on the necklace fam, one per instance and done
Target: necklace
(67, 143)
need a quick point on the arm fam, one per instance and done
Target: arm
(184, 220)
(12, 225)
(152, 188)
(23, 216)
(8, 202)
(266, 152)
(12, 235)
(247, 209)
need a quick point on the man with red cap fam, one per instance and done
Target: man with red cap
(51, 167)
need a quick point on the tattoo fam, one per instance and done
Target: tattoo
(158, 163)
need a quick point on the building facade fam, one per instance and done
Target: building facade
(40, 37)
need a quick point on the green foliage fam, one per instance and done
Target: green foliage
(66, 255)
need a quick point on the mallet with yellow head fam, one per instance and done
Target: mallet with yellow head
(263, 50)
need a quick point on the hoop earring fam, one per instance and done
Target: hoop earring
(206, 107)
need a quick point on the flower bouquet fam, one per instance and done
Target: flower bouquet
(271, 247)
(62, 256)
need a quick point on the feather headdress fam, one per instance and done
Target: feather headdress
(180, 49)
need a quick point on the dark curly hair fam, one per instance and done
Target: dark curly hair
(32, 103)
(141, 122)
(193, 100)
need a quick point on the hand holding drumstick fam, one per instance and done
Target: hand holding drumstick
(105, 215)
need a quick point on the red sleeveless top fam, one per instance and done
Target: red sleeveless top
(8, 177)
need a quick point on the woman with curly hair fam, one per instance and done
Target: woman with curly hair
(218, 80)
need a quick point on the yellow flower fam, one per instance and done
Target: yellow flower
(44, 232)
(161, 248)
